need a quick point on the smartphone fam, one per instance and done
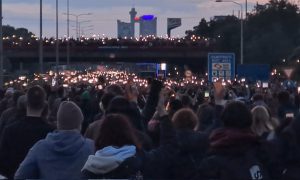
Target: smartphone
(53, 82)
(265, 85)
(206, 94)
(65, 85)
(289, 115)
(299, 90)
(100, 87)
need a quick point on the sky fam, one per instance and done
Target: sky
(25, 13)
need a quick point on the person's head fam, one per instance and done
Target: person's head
(105, 100)
(69, 116)
(258, 97)
(185, 119)
(236, 115)
(22, 106)
(121, 105)
(115, 89)
(186, 101)
(35, 99)
(16, 96)
(206, 115)
(262, 122)
(116, 130)
(174, 105)
(284, 97)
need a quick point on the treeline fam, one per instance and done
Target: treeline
(271, 33)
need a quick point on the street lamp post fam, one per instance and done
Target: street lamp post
(68, 33)
(41, 61)
(79, 26)
(242, 27)
(57, 40)
(1, 48)
(77, 20)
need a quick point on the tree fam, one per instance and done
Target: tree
(19, 32)
(272, 32)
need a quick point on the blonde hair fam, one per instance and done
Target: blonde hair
(185, 119)
(262, 121)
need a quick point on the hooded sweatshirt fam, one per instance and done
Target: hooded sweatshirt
(108, 159)
(61, 155)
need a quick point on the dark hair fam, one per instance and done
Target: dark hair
(185, 119)
(116, 130)
(16, 96)
(283, 97)
(121, 105)
(206, 116)
(106, 98)
(186, 101)
(237, 115)
(258, 97)
(115, 89)
(36, 97)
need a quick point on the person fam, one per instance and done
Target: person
(62, 154)
(192, 144)
(206, 116)
(92, 130)
(5, 101)
(20, 136)
(9, 115)
(288, 142)
(120, 155)
(263, 124)
(121, 105)
(235, 152)
(285, 106)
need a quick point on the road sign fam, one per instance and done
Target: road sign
(221, 66)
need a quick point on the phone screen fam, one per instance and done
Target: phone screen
(289, 115)
(299, 90)
(53, 82)
(265, 85)
(100, 87)
(206, 94)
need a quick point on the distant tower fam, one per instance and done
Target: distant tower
(133, 14)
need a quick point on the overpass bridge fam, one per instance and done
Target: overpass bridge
(29, 57)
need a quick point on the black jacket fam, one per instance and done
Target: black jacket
(16, 141)
(148, 165)
(193, 147)
(233, 155)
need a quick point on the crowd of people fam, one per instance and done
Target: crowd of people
(97, 41)
(109, 124)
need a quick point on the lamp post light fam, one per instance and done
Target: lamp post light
(79, 26)
(242, 27)
(77, 20)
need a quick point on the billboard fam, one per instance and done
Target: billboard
(254, 72)
(172, 24)
(221, 66)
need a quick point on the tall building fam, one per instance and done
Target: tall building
(133, 14)
(148, 27)
(125, 30)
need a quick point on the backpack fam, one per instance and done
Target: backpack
(241, 166)
(131, 168)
